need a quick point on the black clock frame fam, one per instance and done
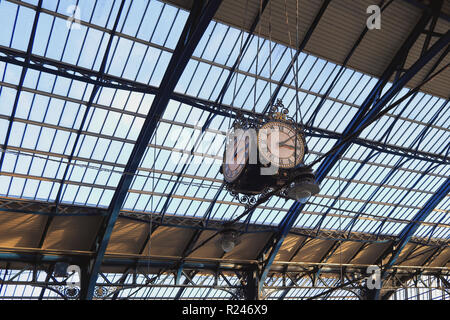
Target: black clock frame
(250, 184)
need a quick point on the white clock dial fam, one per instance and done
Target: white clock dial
(280, 144)
(236, 156)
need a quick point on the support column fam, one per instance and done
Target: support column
(251, 289)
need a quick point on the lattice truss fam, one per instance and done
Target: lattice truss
(137, 285)
(112, 131)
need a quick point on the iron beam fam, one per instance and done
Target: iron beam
(199, 18)
(300, 48)
(364, 115)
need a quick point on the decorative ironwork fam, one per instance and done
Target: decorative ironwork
(71, 293)
(101, 292)
(247, 200)
(246, 122)
(278, 111)
(65, 291)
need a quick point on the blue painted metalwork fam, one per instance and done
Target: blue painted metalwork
(209, 106)
(198, 21)
(325, 166)
(179, 274)
(364, 115)
(430, 168)
(22, 79)
(29, 257)
(312, 118)
(423, 133)
(407, 233)
(285, 225)
(377, 94)
(212, 115)
(322, 132)
(50, 258)
(185, 282)
(421, 5)
(366, 112)
(410, 229)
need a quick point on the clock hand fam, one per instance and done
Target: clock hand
(287, 145)
(283, 143)
(289, 138)
(292, 147)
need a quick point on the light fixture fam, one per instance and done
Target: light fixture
(303, 190)
(303, 187)
(229, 239)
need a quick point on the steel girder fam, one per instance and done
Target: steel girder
(250, 285)
(27, 58)
(400, 162)
(89, 76)
(364, 115)
(43, 258)
(44, 261)
(93, 94)
(422, 5)
(183, 97)
(367, 111)
(240, 284)
(178, 221)
(212, 115)
(407, 233)
(338, 75)
(312, 118)
(187, 280)
(199, 18)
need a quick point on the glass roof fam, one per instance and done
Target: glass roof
(57, 145)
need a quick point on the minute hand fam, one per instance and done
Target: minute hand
(284, 141)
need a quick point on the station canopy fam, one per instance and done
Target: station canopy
(74, 103)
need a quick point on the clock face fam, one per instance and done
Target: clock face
(236, 155)
(280, 144)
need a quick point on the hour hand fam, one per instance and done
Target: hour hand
(286, 140)
(286, 145)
